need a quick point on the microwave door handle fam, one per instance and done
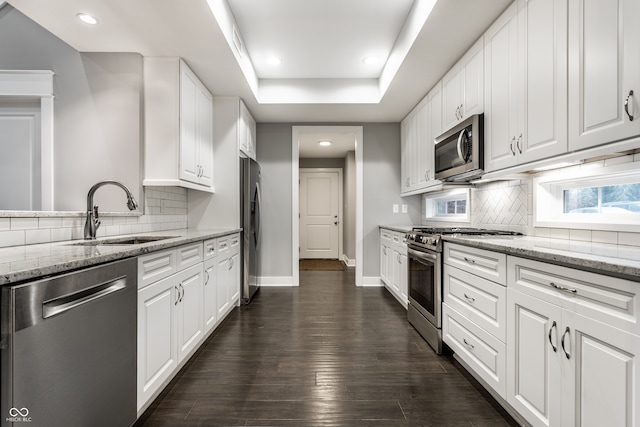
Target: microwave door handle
(459, 146)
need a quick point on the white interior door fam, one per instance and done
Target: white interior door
(320, 214)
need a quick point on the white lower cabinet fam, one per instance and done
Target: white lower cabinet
(473, 311)
(228, 274)
(179, 291)
(567, 364)
(394, 270)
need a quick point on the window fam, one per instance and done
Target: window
(450, 205)
(606, 198)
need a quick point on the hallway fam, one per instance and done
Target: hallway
(324, 354)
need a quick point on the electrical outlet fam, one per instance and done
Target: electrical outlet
(404, 208)
(395, 208)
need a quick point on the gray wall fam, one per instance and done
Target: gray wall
(381, 157)
(97, 112)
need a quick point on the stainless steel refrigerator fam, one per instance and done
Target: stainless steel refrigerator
(250, 223)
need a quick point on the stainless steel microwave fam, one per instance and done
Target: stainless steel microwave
(459, 152)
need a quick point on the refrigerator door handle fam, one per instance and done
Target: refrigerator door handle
(256, 214)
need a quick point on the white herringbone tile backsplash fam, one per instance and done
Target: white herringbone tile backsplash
(503, 205)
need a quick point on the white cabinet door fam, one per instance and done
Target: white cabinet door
(463, 87)
(189, 152)
(384, 274)
(502, 103)
(525, 84)
(435, 129)
(543, 44)
(157, 348)
(534, 377)
(403, 282)
(234, 279)
(247, 132)
(397, 271)
(604, 68)
(209, 295)
(601, 374)
(205, 135)
(422, 159)
(222, 280)
(407, 151)
(189, 310)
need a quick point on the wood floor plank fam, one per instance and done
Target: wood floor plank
(323, 354)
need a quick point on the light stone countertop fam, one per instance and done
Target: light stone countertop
(398, 228)
(29, 262)
(615, 260)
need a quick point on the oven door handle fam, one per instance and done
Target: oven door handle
(428, 256)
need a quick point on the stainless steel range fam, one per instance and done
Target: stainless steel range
(424, 250)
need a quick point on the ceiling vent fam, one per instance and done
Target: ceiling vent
(237, 41)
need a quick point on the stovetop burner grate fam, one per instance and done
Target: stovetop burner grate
(463, 230)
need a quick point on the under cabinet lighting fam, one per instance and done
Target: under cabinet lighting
(87, 19)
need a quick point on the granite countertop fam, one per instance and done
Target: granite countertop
(21, 263)
(399, 228)
(616, 260)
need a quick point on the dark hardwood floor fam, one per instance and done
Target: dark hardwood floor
(323, 354)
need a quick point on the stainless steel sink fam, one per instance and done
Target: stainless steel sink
(124, 241)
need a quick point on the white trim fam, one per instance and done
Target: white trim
(275, 281)
(295, 189)
(372, 281)
(548, 189)
(348, 261)
(340, 200)
(36, 84)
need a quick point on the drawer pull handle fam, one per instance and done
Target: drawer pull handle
(626, 105)
(469, 260)
(470, 299)
(468, 344)
(566, 331)
(553, 326)
(563, 288)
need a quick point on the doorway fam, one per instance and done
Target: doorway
(352, 198)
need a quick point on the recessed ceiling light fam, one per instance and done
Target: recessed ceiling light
(370, 60)
(324, 143)
(87, 19)
(274, 60)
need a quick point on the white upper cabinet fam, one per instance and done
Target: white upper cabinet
(178, 126)
(247, 132)
(463, 88)
(604, 71)
(525, 84)
(418, 131)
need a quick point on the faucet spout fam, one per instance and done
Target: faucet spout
(92, 223)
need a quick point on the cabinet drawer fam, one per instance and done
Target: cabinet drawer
(156, 266)
(610, 300)
(398, 239)
(189, 255)
(223, 244)
(210, 248)
(487, 264)
(234, 242)
(480, 300)
(386, 235)
(481, 351)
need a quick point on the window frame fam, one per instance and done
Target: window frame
(431, 205)
(548, 193)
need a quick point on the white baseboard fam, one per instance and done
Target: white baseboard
(348, 261)
(373, 281)
(276, 281)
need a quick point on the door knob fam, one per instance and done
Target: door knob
(335, 222)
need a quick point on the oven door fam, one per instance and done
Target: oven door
(425, 289)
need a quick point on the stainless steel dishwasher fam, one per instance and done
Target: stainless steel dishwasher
(68, 349)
